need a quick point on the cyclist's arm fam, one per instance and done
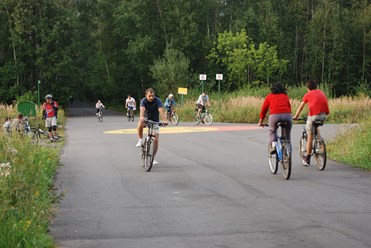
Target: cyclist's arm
(141, 114)
(162, 114)
(296, 116)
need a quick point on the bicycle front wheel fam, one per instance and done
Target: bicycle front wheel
(320, 153)
(208, 119)
(286, 161)
(273, 160)
(149, 151)
(303, 148)
(174, 119)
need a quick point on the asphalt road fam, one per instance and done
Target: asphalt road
(212, 188)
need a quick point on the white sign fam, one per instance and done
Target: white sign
(202, 77)
(219, 76)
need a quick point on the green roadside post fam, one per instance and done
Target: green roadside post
(202, 79)
(219, 77)
(38, 93)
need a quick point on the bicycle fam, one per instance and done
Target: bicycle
(45, 133)
(29, 131)
(130, 114)
(282, 155)
(204, 117)
(172, 117)
(100, 115)
(318, 146)
(148, 147)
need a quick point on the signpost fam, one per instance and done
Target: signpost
(182, 91)
(219, 77)
(202, 79)
(38, 93)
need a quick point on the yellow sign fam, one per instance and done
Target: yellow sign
(182, 91)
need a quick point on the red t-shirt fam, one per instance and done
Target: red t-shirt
(277, 103)
(50, 109)
(317, 102)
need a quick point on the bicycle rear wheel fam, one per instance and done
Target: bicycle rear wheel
(303, 148)
(33, 135)
(286, 161)
(273, 160)
(174, 119)
(197, 120)
(148, 156)
(320, 154)
(208, 119)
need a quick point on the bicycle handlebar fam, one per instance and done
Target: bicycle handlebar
(152, 123)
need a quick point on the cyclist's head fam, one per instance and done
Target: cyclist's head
(170, 95)
(99, 101)
(48, 96)
(278, 88)
(312, 84)
(129, 96)
(150, 94)
(204, 93)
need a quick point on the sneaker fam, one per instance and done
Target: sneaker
(155, 162)
(307, 160)
(273, 148)
(139, 144)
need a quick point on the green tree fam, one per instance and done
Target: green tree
(171, 71)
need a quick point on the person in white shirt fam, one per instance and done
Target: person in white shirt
(130, 104)
(98, 106)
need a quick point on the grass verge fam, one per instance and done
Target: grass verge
(26, 188)
(353, 147)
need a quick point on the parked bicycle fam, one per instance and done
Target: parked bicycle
(100, 115)
(318, 146)
(283, 153)
(148, 147)
(29, 131)
(172, 117)
(204, 117)
(45, 133)
(130, 114)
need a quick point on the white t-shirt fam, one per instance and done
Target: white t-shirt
(202, 99)
(130, 102)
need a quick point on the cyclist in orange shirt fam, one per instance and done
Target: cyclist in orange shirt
(50, 113)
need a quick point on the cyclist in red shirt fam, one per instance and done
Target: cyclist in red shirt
(50, 111)
(280, 111)
(318, 110)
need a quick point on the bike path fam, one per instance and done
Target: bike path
(210, 189)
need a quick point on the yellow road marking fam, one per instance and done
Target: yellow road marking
(188, 129)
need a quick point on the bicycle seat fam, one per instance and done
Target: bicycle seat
(281, 123)
(318, 123)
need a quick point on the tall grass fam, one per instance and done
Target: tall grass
(236, 108)
(354, 146)
(26, 182)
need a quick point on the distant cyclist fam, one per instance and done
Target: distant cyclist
(50, 114)
(202, 102)
(279, 107)
(99, 105)
(169, 103)
(150, 108)
(130, 104)
(318, 110)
